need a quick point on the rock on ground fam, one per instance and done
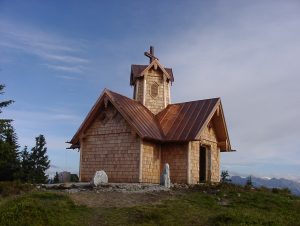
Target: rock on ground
(100, 178)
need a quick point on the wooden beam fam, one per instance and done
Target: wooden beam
(141, 162)
(218, 111)
(223, 144)
(144, 91)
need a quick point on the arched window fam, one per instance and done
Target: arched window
(154, 90)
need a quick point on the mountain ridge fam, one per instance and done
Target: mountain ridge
(281, 183)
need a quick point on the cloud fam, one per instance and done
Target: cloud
(248, 57)
(54, 166)
(66, 59)
(42, 121)
(71, 69)
(67, 77)
(56, 52)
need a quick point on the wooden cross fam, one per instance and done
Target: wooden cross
(151, 54)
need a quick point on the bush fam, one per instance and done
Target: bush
(74, 178)
(225, 176)
(8, 188)
(284, 191)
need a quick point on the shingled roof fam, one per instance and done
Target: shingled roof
(136, 71)
(177, 123)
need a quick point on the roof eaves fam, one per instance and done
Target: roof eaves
(159, 65)
(208, 118)
(224, 121)
(83, 125)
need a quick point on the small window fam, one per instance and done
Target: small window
(154, 90)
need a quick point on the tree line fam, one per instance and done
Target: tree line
(15, 164)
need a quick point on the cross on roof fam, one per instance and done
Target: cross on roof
(151, 54)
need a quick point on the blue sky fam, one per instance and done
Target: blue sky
(57, 57)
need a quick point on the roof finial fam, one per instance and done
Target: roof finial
(151, 54)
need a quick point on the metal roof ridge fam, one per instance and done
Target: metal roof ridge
(186, 102)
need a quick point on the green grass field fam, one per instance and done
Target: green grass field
(221, 205)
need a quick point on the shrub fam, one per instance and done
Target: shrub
(8, 188)
(225, 176)
(284, 191)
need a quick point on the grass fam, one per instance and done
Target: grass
(42, 208)
(195, 208)
(14, 188)
(205, 205)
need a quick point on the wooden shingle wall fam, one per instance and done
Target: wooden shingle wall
(156, 104)
(194, 162)
(139, 90)
(110, 145)
(209, 138)
(176, 156)
(151, 162)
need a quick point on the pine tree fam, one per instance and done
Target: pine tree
(56, 179)
(249, 182)
(39, 160)
(26, 165)
(225, 176)
(9, 155)
(4, 103)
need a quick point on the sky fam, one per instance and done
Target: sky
(56, 57)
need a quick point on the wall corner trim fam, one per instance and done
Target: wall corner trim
(141, 162)
(189, 162)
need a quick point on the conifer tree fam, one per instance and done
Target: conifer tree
(56, 178)
(225, 176)
(249, 182)
(4, 103)
(39, 160)
(26, 165)
(9, 155)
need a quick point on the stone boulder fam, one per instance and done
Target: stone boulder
(100, 178)
(165, 177)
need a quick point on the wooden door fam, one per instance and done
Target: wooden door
(202, 164)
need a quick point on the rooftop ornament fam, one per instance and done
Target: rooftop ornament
(150, 54)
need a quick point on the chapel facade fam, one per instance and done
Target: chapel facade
(132, 139)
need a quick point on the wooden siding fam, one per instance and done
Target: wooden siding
(110, 145)
(151, 162)
(176, 156)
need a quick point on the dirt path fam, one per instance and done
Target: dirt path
(120, 199)
(117, 194)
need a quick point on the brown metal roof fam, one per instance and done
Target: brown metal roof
(136, 71)
(177, 123)
(136, 114)
(183, 121)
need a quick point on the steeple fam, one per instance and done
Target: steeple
(152, 83)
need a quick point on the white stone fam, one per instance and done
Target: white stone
(100, 178)
(165, 177)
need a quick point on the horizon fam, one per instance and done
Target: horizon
(58, 57)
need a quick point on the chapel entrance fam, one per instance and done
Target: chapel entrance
(202, 165)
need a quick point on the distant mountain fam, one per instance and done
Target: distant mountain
(269, 183)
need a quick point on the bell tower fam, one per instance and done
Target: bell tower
(152, 83)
